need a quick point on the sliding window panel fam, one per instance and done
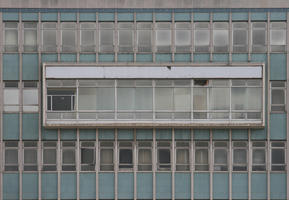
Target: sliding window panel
(87, 98)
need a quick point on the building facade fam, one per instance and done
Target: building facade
(144, 99)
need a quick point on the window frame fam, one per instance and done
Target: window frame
(11, 167)
(53, 47)
(164, 166)
(34, 146)
(34, 48)
(49, 167)
(182, 166)
(107, 147)
(91, 146)
(72, 147)
(92, 44)
(149, 148)
(10, 48)
(256, 167)
(284, 89)
(68, 48)
(221, 166)
(242, 166)
(278, 166)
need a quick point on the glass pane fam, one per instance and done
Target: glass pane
(164, 156)
(144, 156)
(239, 98)
(68, 156)
(125, 98)
(201, 156)
(240, 156)
(183, 156)
(11, 96)
(105, 99)
(87, 156)
(143, 98)
(68, 40)
(278, 156)
(220, 156)
(182, 99)
(278, 96)
(30, 156)
(49, 156)
(200, 98)
(125, 156)
(106, 156)
(164, 98)
(219, 99)
(30, 96)
(258, 156)
(87, 98)
(11, 156)
(144, 40)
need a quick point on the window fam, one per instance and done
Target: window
(106, 156)
(259, 37)
(49, 153)
(11, 36)
(144, 156)
(125, 37)
(182, 156)
(68, 156)
(183, 37)
(164, 156)
(202, 37)
(106, 37)
(200, 96)
(221, 37)
(68, 37)
(278, 36)
(87, 156)
(87, 37)
(220, 156)
(11, 156)
(201, 156)
(240, 156)
(278, 96)
(163, 37)
(11, 96)
(30, 97)
(30, 155)
(240, 37)
(30, 36)
(125, 155)
(49, 36)
(278, 156)
(144, 37)
(259, 156)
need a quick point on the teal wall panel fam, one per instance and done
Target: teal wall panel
(144, 186)
(258, 134)
(259, 186)
(182, 185)
(221, 185)
(48, 57)
(10, 67)
(30, 186)
(220, 16)
(201, 185)
(49, 185)
(201, 134)
(87, 186)
(10, 186)
(201, 57)
(49, 17)
(258, 16)
(10, 126)
(87, 58)
(163, 134)
(144, 16)
(68, 186)
(240, 186)
(125, 134)
(105, 134)
(182, 134)
(125, 185)
(163, 57)
(125, 58)
(278, 126)
(220, 134)
(278, 185)
(68, 57)
(278, 16)
(30, 67)
(87, 17)
(144, 57)
(30, 126)
(240, 57)
(163, 16)
(87, 134)
(220, 57)
(182, 17)
(125, 17)
(105, 16)
(106, 185)
(259, 57)
(163, 185)
(49, 134)
(239, 16)
(144, 134)
(201, 16)
(67, 16)
(182, 57)
(105, 57)
(240, 134)
(10, 16)
(29, 16)
(68, 134)
(278, 66)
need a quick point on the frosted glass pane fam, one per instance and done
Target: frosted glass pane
(164, 98)
(221, 37)
(182, 99)
(219, 99)
(105, 99)
(200, 98)
(30, 96)
(163, 37)
(220, 156)
(239, 98)
(68, 40)
(183, 37)
(125, 98)
(11, 96)
(87, 99)
(254, 98)
(144, 99)
(278, 37)
(106, 37)
(202, 37)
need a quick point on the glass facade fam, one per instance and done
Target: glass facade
(143, 162)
